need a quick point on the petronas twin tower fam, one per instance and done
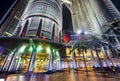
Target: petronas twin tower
(43, 18)
(91, 15)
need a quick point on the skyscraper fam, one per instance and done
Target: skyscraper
(42, 19)
(5, 7)
(91, 15)
(9, 25)
(86, 17)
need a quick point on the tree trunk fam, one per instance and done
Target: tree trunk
(75, 61)
(93, 59)
(106, 57)
(99, 59)
(110, 56)
(85, 62)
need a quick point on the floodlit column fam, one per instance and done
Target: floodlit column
(50, 69)
(12, 63)
(17, 65)
(59, 64)
(32, 62)
(106, 57)
(5, 63)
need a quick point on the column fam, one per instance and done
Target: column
(5, 63)
(32, 62)
(39, 29)
(59, 65)
(12, 62)
(50, 69)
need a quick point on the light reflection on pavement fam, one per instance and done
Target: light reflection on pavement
(64, 76)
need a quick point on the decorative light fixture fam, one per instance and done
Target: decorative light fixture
(39, 48)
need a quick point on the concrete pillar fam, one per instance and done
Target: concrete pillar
(32, 62)
(50, 69)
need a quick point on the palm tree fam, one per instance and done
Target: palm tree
(97, 44)
(112, 40)
(82, 49)
(90, 43)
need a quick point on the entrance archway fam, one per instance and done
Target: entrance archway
(41, 62)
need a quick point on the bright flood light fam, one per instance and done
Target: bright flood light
(78, 32)
(86, 32)
(39, 48)
(48, 50)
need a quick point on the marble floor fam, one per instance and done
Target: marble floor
(63, 76)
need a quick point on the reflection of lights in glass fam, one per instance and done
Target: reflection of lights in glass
(48, 50)
(39, 48)
(21, 77)
(22, 49)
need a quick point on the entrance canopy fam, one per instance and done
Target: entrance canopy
(13, 43)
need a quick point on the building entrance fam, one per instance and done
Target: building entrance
(41, 62)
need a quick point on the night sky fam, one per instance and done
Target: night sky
(5, 4)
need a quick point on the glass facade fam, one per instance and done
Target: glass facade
(50, 12)
(9, 27)
(92, 18)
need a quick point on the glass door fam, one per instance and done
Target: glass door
(41, 62)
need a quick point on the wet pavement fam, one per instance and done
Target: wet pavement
(63, 76)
